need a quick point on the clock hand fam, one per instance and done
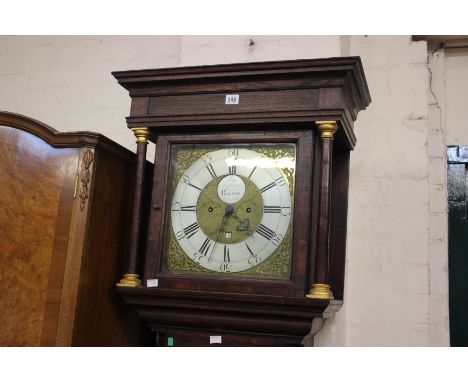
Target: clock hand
(243, 225)
(227, 211)
(223, 223)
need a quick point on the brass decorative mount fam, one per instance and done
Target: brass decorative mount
(141, 134)
(327, 129)
(130, 280)
(85, 177)
(321, 291)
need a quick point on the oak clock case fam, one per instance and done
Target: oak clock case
(231, 210)
(258, 258)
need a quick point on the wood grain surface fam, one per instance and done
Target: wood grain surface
(33, 176)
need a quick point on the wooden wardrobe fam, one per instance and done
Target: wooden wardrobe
(64, 218)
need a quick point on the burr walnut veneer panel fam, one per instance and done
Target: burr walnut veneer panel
(33, 178)
(63, 221)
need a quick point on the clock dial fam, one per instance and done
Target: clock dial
(231, 208)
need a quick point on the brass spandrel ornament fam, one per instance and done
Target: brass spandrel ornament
(178, 261)
(231, 210)
(183, 160)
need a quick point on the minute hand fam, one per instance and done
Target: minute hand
(221, 229)
(244, 224)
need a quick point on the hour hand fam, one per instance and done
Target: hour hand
(243, 225)
(228, 210)
(220, 231)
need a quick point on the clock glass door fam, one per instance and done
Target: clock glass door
(231, 210)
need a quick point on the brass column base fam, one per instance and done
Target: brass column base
(321, 291)
(130, 280)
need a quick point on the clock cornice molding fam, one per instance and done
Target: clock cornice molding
(163, 98)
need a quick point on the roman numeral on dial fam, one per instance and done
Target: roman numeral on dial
(266, 232)
(251, 172)
(279, 182)
(254, 259)
(205, 246)
(198, 188)
(272, 209)
(227, 257)
(250, 251)
(232, 170)
(187, 209)
(211, 171)
(185, 179)
(224, 267)
(267, 187)
(191, 230)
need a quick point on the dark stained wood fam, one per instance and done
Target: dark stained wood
(101, 317)
(323, 226)
(267, 69)
(250, 102)
(176, 338)
(302, 211)
(278, 102)
(154, 235)
(338, 221)
(138, 80)
(340, 82)
(139, 106)
(316, 173)
(59, 257)
(137, 204)
(247, 314)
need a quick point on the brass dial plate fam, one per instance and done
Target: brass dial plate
(255, 239)
(243, 221)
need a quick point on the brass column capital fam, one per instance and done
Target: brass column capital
(327, 129)
(130, 280)
(141, 134)
(321, 291)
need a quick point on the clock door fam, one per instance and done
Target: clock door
(229, 207)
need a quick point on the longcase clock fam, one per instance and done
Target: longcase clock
(245, 240)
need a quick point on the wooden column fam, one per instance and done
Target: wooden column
(320, 288)
(131, 278)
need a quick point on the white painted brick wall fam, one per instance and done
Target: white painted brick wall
(438, 228)
(66, 81)
(207, 50)
(390, 271)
